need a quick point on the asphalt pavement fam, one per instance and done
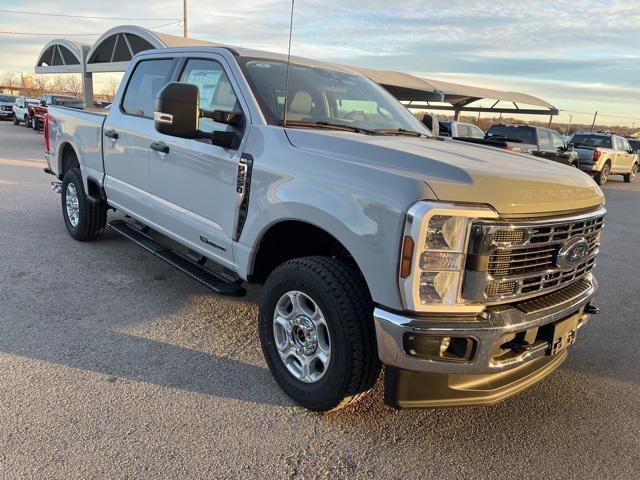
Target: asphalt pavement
(115, 365)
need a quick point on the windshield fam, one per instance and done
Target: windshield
(8, 98)
(323, 98)
(587, 140)
(513, 132)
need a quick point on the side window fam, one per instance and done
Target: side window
(463, 131)
(476, 132)
(216, 91)
(617, 144)
(147, 80)
(625, 145)
(558, 143)
(544, 141)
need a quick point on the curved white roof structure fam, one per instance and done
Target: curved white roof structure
(117, 46)
(61, 56)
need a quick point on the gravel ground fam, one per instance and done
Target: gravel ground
(115, 365)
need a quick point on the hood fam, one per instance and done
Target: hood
(513, 184)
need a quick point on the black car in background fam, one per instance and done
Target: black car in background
(635, 144)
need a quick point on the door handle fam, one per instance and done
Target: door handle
(160, 147)
(111, 134)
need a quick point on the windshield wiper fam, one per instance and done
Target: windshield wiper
(331, 126)
(399, 131)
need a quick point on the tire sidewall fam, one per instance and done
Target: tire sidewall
(332, 385)
(73, 176)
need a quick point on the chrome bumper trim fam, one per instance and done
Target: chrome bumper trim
(486, 329)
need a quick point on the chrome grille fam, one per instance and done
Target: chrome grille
(518, 259)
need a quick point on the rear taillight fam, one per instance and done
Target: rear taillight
(596, 155)
(47, 143)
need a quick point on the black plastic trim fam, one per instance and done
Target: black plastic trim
(243, 187)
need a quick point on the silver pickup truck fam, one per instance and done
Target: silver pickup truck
(466, 272)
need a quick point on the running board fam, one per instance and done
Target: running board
(206, 277)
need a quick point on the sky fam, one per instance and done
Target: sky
(580, 55)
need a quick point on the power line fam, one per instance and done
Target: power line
(604, 115)
(83, 16)
(175, 22)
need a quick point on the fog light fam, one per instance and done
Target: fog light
(444, 344)
(436, 347)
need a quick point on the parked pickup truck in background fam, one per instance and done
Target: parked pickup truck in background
(603, 154)
(466, 273)
(457, 130)
(537, 141)
(6, 106)
(37, 112)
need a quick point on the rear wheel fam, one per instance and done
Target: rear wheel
(631, 176)
(317, 333)
(85, 220)
(603, 175)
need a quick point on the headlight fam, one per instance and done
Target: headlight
(431, 272)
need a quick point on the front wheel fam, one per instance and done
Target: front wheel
(85, 220)
(631, 176)
(317, 333)
(16, 120)
(603, 175)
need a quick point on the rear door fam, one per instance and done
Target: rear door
(194, 183)
(127, 134)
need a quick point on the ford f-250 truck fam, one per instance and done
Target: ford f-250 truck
(603, 154)
(466, 273)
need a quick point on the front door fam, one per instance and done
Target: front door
(194, 183)
(127, 134)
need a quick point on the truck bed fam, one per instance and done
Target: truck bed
(82, 129)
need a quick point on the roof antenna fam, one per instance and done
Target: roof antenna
(286, 80)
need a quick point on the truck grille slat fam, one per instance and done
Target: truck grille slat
(521, 258)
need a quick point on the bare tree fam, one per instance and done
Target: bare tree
(9, 80)
(110, 88)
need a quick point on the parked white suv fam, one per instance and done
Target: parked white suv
(21, 109)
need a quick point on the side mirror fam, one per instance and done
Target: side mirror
(630, 150)
(177, 110)
(43, 103)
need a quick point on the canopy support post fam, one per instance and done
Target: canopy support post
(87, 80)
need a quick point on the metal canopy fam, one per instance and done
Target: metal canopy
(61, 56)
(408, 88)
(113, 51)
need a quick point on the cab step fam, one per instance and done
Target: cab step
(195, 270)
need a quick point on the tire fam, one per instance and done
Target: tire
(631, 176)
(602, 176)
(26, 121)
(16, 121)
(344, 304)
(35, 124)
(88, 219)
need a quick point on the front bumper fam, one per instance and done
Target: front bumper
(6, 113)
(488, 374)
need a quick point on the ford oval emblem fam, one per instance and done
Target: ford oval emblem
(572, 253)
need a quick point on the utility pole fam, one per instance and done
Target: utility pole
(595, 115)
(184, 18)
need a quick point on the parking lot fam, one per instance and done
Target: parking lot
(115, 365)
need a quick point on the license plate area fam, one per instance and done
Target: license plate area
(562, 334)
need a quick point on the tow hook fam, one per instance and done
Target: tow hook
(56, 186)
(591, 309)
